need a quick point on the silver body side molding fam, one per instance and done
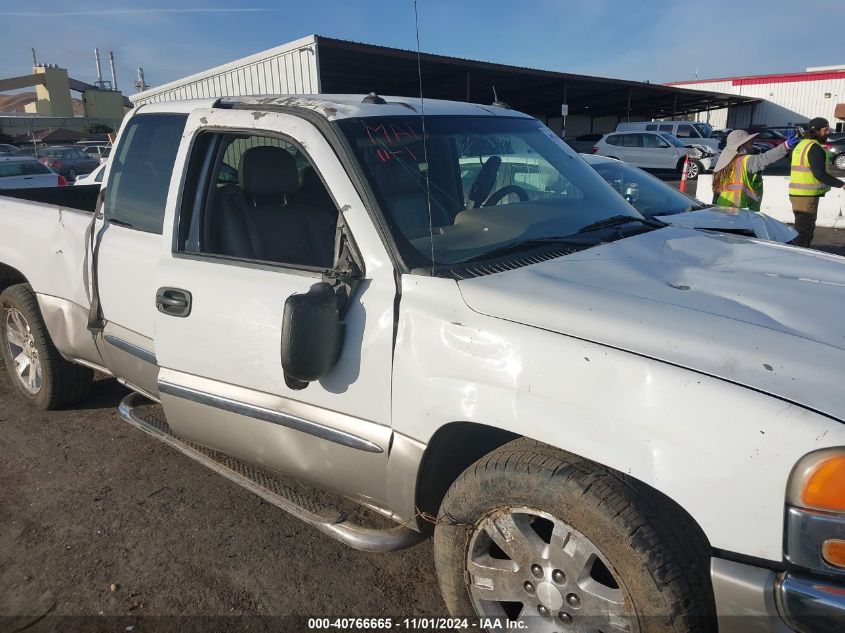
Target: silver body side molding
(327, 519)
(129, 348)
(268, 415)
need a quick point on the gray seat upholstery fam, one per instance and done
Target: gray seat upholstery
(404, 190)
(258, 218)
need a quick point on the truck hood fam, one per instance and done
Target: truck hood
(739, 221)
(764, 315)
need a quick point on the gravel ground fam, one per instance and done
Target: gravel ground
(97, 518)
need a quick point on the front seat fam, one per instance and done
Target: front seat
(257, 219)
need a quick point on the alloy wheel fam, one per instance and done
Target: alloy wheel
(23, 351)
(526, 565)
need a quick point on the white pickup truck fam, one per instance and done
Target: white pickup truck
(604, 421)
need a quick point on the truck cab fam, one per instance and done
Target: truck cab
(439, 312)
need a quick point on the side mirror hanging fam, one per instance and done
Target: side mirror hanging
(312, 335)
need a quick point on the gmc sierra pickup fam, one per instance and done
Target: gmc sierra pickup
(449, 319)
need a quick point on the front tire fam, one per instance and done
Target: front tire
(39, 374)
(839, 162)
(534, 534)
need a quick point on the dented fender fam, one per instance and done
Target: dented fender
(722, 451)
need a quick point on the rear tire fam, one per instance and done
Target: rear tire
(643, 561)
(39, 374)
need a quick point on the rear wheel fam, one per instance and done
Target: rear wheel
(536, 535)
(839, 162)
(694, 169)
(39, 374)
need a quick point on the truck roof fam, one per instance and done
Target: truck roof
(335, 107)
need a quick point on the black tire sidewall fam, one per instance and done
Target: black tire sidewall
(475, 498)
(23, 299)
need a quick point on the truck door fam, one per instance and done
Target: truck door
(130, 243)
(256, 223)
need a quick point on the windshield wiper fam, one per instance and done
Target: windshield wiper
(618, 220)
(520, 246)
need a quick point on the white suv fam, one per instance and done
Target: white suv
(652, 150)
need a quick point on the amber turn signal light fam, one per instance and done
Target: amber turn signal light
(833, 551)
(824, 487)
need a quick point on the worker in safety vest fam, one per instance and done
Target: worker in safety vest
(809, 180)
(738, 175)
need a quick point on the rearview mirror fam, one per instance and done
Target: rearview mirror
(311, 335)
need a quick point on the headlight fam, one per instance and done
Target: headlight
(815, 512)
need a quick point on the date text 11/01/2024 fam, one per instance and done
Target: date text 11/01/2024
(426, 624)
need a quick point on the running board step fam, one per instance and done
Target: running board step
(326, 511)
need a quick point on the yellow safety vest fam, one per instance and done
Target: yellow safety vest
(744, 191)
(801, 179)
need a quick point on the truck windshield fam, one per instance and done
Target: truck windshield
(478, 185)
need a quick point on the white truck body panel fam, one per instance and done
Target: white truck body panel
(704, 366)
(721, 451)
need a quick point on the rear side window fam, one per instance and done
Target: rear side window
(630, 140)
(32, 167)
(651, 128)
(22, 168)
(666, 128)
(686, 131)
(614, 139)
(141, 171)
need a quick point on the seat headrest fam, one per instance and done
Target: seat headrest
(400, 178)
(268, 170)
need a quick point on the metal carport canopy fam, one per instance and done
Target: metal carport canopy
(353, 67)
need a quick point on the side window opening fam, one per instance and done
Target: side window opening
(263, 201)
(140, 174)
(686, 131)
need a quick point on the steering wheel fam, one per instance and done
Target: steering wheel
(498, 195)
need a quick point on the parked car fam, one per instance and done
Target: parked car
(835, 147)
(651, 150)
(70, 162)
(94, 178)
(100, 152)
(23, 172)
(688, 132)
(6, 149)
(608, 417)
(655, 199)
(583, 143)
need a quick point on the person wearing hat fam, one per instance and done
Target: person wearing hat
(738, 175)
(809, 180)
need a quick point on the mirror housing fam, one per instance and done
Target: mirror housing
(312, 335)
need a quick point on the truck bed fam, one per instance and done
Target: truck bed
(44, 239)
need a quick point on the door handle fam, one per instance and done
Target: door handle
(173, 302)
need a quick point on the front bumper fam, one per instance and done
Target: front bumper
(809, 605)
(756, 600)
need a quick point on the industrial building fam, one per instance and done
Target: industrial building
(52, 112)
(318, 64)
(777, 100)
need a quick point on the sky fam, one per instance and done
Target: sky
(654, 40)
